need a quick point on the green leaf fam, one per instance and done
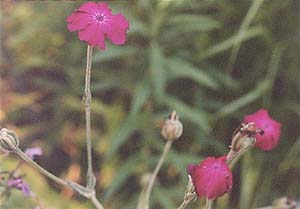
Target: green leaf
(158, 74)
(244, 100)
(180, 68)
(113, 52)
(192, 23)
(125, 170)
(142, 93)
(163, 197)
(228, 43)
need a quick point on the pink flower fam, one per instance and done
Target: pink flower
(212, 178)
(271, 128)
(95, 21)
(19, 184)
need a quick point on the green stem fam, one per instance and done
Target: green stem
(27, 159)
(90, 178)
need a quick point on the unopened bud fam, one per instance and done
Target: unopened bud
(8, 140)
(172, 128)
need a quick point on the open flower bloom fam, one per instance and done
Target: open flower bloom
(19, 184)
(212, 178)
(95, 21)
(271, 128)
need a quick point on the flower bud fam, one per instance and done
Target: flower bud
(8, 140)
(172, 128)
(244, 136)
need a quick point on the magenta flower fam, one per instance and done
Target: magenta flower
(271, 128)
(19, 184)
(95, 21)
(33, 151)
(212, 178)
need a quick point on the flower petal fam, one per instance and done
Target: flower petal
(90, 7)
(93, 35)
(79, 21)
(116, 29)
(104, 9)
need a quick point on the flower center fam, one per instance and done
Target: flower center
(99, 17)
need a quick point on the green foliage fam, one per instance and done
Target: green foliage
(177, 57)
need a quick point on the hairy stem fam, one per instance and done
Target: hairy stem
(90, 178)
(27, 159)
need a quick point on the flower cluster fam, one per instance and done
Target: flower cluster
(212, 178)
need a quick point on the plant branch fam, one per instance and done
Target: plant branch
(96, 203)
(27, 159)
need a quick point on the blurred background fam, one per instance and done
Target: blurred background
(212, 61)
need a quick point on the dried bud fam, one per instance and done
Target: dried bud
(244, 136)
(172, 128)
(284, 203)
(8, 140)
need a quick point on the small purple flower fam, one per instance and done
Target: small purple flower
(19, 184)
(33, 151)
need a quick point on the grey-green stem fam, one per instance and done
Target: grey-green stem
(145, 195)
(27, 159)
(90, 178)
(209, 204)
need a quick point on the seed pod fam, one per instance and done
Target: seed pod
(172, 128)
(8, 140)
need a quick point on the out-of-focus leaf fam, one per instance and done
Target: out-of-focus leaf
(157, 70)
(125, 170)
(182, 160)
(244, 100)
(197, 116)
(142, 93)
(113, 52)
(192, 23)
(181, 68)
(163, 197)
(228, 43)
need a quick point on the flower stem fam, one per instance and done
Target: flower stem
(27, 159)
(184, 204)
(96, 203)
(190, 194)
(87, 98)
(209, 204)
(144, 201)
